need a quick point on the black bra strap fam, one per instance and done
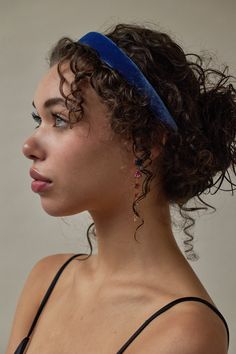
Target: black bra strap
(24, 342)
(49, 291)
(166, 307)
(21, 347)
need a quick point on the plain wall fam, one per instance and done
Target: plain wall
(28, 29)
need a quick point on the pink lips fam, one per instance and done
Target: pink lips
(40, 182)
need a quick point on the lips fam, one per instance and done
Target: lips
(40, 183)
(37, 177)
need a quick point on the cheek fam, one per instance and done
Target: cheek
(87, 175)
(85, 159)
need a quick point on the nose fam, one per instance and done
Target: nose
(32, 149)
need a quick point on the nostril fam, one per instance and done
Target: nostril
(28, 151)
(32, 157)
(33, 150)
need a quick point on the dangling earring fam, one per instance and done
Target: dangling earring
(137, 175)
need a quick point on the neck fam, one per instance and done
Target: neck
(120, 256)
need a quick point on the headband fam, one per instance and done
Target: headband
(116, 58)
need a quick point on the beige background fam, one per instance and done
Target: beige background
(27, 30)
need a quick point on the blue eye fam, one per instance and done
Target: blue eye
(37, 119)
(60, 122)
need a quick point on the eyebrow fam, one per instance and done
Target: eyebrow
(52, 102)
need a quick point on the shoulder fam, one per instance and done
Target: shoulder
(197, 330)
(35, 286)
(41, 275)
(203, 332)
(45, 268)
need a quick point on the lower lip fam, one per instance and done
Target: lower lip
(40, 186)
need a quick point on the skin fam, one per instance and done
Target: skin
(92, 169)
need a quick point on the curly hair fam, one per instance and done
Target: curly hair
(193, 161)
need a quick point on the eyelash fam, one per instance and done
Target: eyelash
(38, 120)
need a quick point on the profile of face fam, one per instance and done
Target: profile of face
(85, 167)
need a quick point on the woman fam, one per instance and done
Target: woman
(127, 126)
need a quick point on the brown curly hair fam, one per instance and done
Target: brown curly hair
(201, 99)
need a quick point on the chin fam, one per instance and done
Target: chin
(59, 211)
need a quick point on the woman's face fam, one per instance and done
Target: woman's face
(87, 166)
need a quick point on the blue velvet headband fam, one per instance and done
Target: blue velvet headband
(116, 58)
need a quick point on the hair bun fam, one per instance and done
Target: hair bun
(217, 110)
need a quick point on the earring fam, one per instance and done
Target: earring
(137, 175)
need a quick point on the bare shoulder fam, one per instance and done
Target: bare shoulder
(35, 286)
(195, 330)
(204, 332)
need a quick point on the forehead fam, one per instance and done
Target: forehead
(49, 88)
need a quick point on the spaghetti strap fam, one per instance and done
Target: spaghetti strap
(165, 308)
(20, 349)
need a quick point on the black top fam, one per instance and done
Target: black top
(22, 346)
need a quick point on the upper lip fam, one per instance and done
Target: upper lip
(35, 175)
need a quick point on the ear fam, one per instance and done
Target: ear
(155, 151)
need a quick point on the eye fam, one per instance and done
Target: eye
(37, 119)
(59, 121)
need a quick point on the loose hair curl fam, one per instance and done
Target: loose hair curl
(193, 161)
